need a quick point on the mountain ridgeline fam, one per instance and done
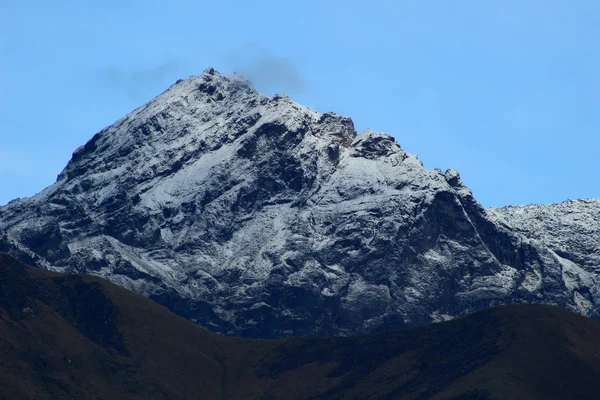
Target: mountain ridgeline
(259, 217)
(81, 337)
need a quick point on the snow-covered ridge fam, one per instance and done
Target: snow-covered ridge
(570, 228)
(262, 217)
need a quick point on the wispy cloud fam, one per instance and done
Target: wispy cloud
(264, 69)
(136, 80)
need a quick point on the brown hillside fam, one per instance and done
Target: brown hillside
(77, 336)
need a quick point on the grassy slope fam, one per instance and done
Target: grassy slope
(82, 337)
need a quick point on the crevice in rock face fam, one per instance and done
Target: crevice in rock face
(47, 241)
(500, 243)
(508, 249)
(503, 245)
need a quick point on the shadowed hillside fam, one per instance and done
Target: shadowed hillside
(77, 336)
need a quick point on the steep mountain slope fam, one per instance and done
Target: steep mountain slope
(571, 228)
(260, 217)
(74, 336)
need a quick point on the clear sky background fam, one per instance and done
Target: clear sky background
(507, 92)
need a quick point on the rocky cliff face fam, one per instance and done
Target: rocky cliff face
(571, 231)
(571, 228)
(260, 217)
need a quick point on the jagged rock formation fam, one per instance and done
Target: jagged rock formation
(571, 230)
(261, 217)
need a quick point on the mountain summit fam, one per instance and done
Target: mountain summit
(260, 217)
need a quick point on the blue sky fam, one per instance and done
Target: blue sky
(507, 92)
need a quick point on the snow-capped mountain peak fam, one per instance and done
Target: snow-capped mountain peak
(262, 217)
